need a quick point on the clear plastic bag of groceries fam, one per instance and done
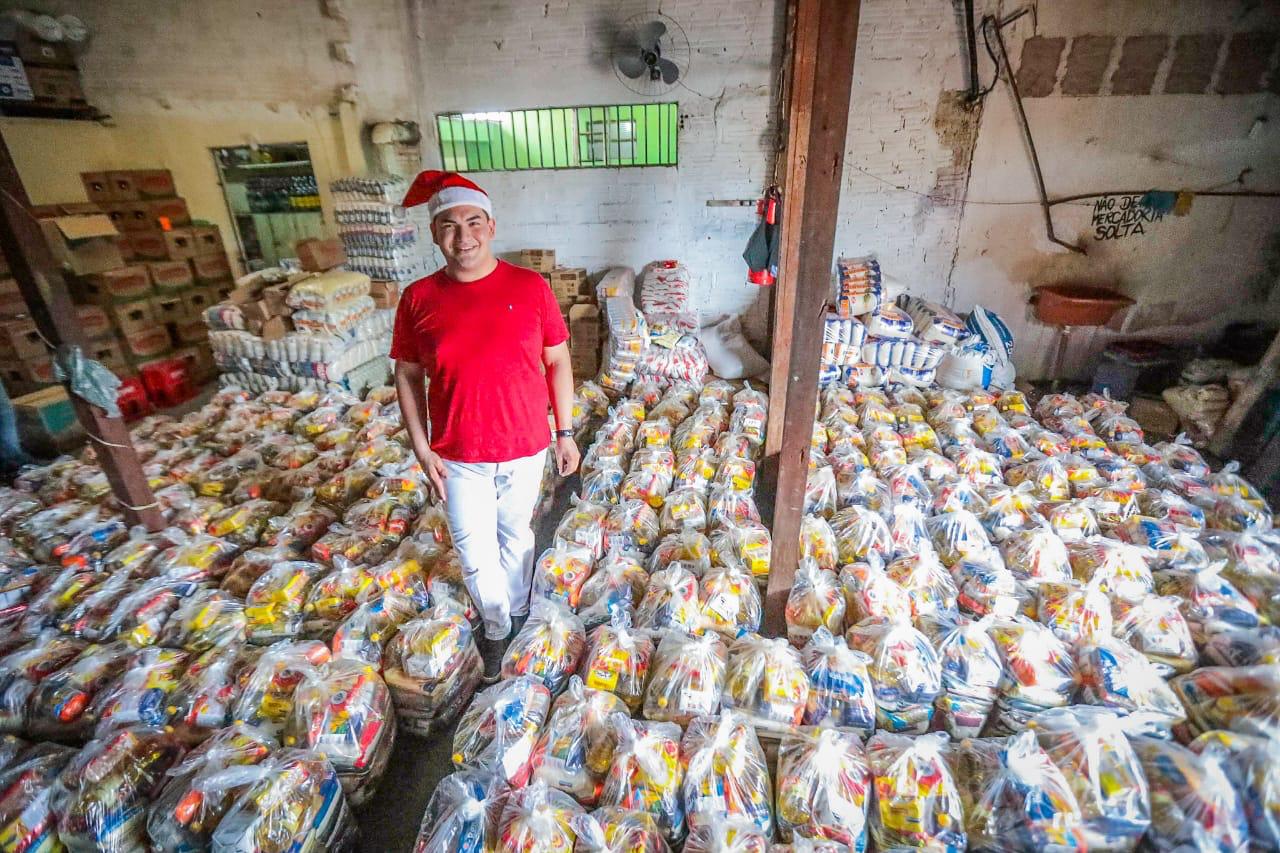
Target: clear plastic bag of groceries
(548, 647)
(1210, 602)
(275, 604)
(1243, 699)
(683, 508)
(1047, 476)
(1074, 611)
(749, 545)
(731, 603)
(101, 796)
(1194, 805)
(463, 813)
(142, 695)
(602, 484)
(197, 557)
(840, 688)
(814, 601)
(908, 530)
(198, 790)
(583, 525)
(671, 601)
(613, 829)
(210, 688)
(266, 700)
(25, 814)
(333, 597)
(971, 669)
(1252, 767)
(432, 668)
(1016, 798)
(1121, 570)
(727, 506)
(535, 818)
(251, 565)
(1038, 673)
(1112, 674)
(650, 477)
(1156, 627)
(957, 536)
(618, 660)
(1243, 647)
(618, 583)
(364, 634)
(917, 801)
(60, 704)
(204, 620)
(89, 617)
(906, 674)
(930, 590)
(727, 835)
(562, 569)
(870, 592)
(343, 710)
(695, 469)
(686, 678)
(726, 774)
(242, 524)
(633, 524)
(824, 787)
(293, 800)
(1089, 745)
(766, 680)
(859, 532)
(576, 747)
(647, 773)
(500, 728)
(1036, 554)
(1170, 546)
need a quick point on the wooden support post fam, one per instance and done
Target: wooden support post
(825, 37)
(1264, 377)
(45, 291)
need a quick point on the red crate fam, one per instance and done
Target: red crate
(168, 382)
(132, 399)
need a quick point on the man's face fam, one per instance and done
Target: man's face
(463, 234)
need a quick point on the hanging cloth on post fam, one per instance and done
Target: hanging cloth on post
(762, 249)
(90, 380)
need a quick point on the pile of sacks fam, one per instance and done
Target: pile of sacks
(1008, 631)
(236, 678)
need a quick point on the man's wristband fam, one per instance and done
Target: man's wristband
(563, 433)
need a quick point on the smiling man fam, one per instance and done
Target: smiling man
(489, 337)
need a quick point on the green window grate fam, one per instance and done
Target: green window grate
(560, 138)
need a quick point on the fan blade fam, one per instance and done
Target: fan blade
(670, 73)
(648, 35)
(632, 64)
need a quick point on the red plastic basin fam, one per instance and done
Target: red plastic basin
(1077, 304)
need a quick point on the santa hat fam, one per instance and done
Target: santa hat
(440, 191)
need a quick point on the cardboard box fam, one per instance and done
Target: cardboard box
(567, 283)
(223, 289)
(541, 260)
(131, 215)
(319, 255)
(197, 299)
(256, 313)
(208, 240)
(108, 352)
(180, 244)
(171, 275)
(84, 244)
(191, 331)
(171, 210)
(79, 208)
(211, 268)
(98, 187)
(125, 248)
(22, 338)
(274, 298)
(274, 328)
(46, 211)
(131, 282)
(584, 324)
(147, 343)
(154, 183)
(38, 370)
(33, 50)
(148, 245)
(56, 87)
(123, 185)
(47, 420)
(169, 308)
(133, 317)
(11, 301)
(93, 321)
(198, 361)
(386, 294)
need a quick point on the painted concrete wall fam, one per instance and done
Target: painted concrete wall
(181, 78)
(498, 54)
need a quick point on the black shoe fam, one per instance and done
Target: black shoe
(517, 625)
(491, 652)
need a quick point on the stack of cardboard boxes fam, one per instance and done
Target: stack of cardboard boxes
(38, 73)
(577, 305)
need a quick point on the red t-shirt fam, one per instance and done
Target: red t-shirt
(481, 345)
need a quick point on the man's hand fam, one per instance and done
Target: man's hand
(433, 467)
(567, 456)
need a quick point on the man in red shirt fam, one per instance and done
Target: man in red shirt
(489, 338)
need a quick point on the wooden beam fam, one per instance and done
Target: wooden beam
(45, 291)
(825, 37)
(798, 92)
(1224, 437)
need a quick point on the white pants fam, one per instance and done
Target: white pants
(489, 507)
